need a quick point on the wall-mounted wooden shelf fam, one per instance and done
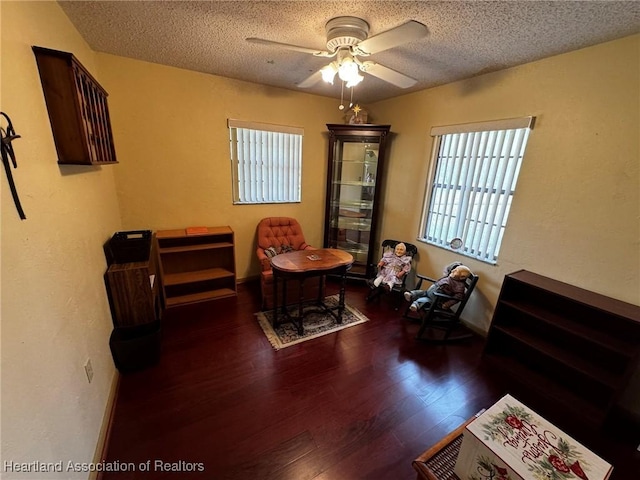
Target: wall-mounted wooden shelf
(78, 110)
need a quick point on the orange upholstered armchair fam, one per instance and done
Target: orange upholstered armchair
(278, 235)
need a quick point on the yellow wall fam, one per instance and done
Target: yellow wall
(55, 313)
(575, 215)
(171, 135)
(576, 211)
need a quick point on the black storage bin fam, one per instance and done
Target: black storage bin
(127, 247)
(136, 348)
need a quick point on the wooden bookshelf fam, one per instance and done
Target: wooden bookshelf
(196, 267)
(570, 350)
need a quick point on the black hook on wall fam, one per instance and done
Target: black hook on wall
(8, 135)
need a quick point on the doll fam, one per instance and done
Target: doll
(452, 283)
(392, 267)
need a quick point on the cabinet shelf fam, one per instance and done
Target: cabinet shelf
(618, 345)
(190, 248)
(353, 248)
(356, 167)
(200, 297)
(196, 268)
(353, 204)
(355, 183)
(563, 356)
(351, 223)
(554, 393)
(196, 276)
(573, 349)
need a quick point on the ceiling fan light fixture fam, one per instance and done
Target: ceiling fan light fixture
(328, 72)
(354, 80)
(348, 70)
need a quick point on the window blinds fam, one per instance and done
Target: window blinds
(473, 185)
(267, 161)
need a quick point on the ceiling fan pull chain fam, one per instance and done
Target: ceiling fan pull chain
(351, 101)
(341, 107)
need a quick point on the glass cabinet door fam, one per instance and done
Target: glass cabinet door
(356, 153)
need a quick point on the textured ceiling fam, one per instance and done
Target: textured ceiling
(465, 38)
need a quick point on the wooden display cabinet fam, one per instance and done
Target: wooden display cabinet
(570, 350)
(198, 267)
(356, 160)
(78, 110)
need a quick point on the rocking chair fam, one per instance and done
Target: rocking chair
(398, 289)
(437, 323)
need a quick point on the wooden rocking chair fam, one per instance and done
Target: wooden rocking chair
(438, 324)
(397, 290)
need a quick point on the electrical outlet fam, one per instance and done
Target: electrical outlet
(88, 369)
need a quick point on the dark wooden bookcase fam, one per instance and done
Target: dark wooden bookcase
(569, 349)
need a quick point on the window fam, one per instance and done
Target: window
(474, 170)
(266, 162)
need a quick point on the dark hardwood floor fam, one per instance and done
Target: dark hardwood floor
(358, 404)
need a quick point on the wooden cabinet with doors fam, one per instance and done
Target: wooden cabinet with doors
(356, 160)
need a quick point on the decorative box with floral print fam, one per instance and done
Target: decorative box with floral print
(511, 442)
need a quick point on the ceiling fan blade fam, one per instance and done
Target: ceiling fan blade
(295, 48)
(404, 33)
(388, 75)
(311, 80)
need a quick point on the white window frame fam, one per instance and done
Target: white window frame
(266, 162)
(471, 183)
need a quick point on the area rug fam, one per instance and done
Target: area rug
(316, 324)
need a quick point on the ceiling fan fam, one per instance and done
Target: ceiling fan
(347, 39)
